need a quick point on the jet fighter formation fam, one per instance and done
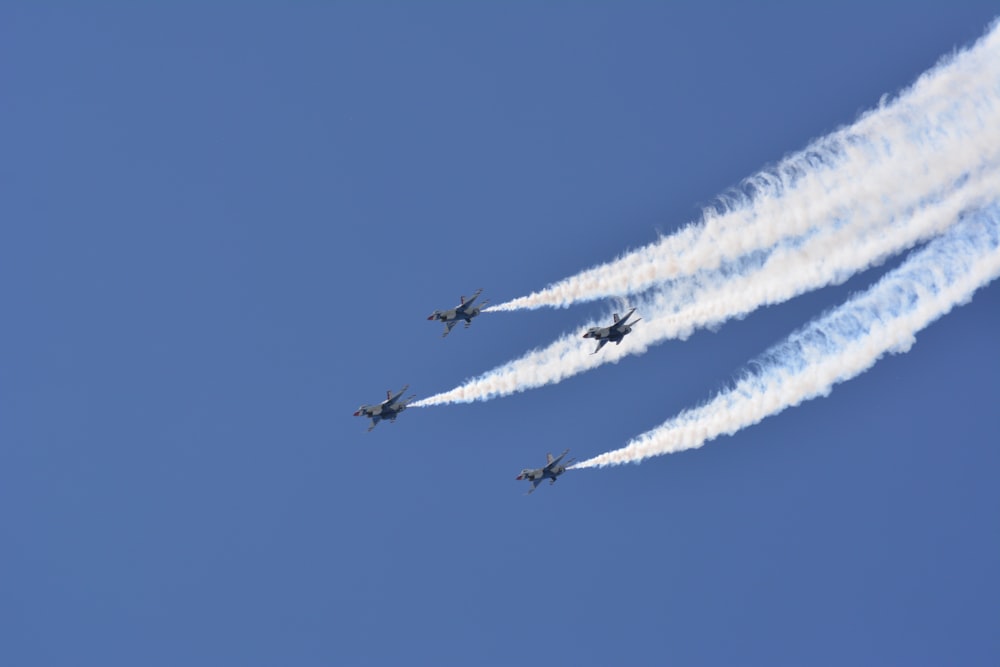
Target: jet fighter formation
(551, 471)
(614, 333)
(387, 409)
(394, 404)
(463, 311)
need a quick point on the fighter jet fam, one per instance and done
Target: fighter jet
(463, 311)
(387, 409)
(551, 471)
(614, 333)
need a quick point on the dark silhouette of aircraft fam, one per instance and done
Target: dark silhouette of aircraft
(551, 471)
(613, 333)
(463, 311)
(387, 409)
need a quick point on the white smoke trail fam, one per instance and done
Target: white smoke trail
(918, 145)
(827, 257)
(863, 236)
(840, 345)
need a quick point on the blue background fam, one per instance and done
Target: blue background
(222, 229)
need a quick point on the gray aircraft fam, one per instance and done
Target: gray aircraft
(551, 471)
(614, 333)
(463, 311)
(387, 409)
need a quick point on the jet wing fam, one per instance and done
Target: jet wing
(553, 461)
(621, 322)
(390, 399)
(466, 303)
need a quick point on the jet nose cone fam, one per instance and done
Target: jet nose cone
(519, 477)
(430, 317)
(357, 413)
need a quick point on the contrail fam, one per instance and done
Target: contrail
(827, 257)
(877, 227)
(841, 344)
(915, 146)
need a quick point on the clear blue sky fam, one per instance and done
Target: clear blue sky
(222, 229)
